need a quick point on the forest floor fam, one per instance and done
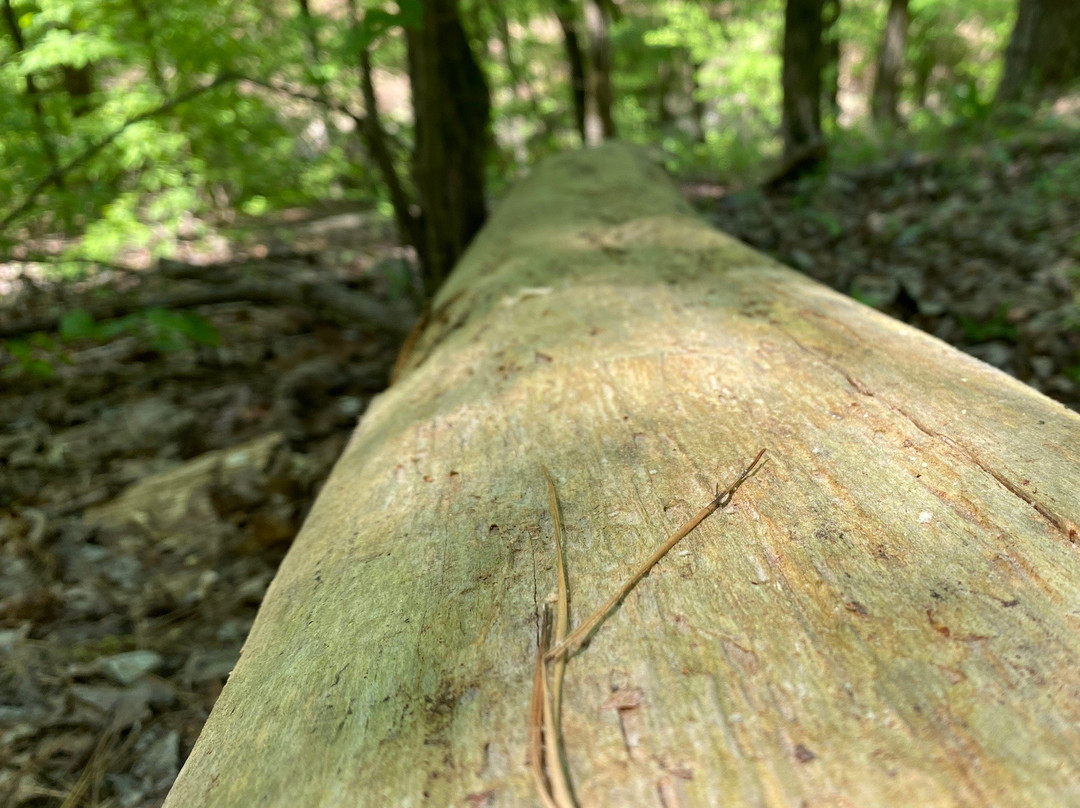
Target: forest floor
(148, 491)
(978, 246)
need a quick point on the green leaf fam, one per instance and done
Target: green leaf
(410, 12)
(377, 21)
(40, 368)
(20, 349)
(255, 206)
(43, 341)
(200, 330)
(162, 319)
(77, 324)
(60, 47)
(121, 325)
(996, 328)
(172, 330)
(166, 343)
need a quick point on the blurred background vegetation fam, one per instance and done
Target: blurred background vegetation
(131, 126)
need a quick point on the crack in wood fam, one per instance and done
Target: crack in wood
(1058, 523)
(1067, 529)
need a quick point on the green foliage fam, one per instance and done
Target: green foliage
(996, 328)
(828, 222)
(77, 324)
(378, 21)
(954, 52)
(864, 298)
(701, 80)
(167, 330)
(61, 47)
(237, 145)
(34, 356)
(1061, 182)
(722, 59)
(161, 330)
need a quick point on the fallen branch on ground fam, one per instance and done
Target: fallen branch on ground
(329, 299)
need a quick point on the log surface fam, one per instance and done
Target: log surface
(888, 614)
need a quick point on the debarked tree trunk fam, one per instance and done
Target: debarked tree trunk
(888, 614)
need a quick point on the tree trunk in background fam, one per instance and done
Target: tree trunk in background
(566, 13)
(79, 86)
(678, 101)
(1043, 56)
(665, 78)
(830, 58)
(452, 112)
(377, 143)
(311, 35)
(147, 31)
(697, 103)
(885, 616)
(885, 100)
(801, 78)
(410, 229)
(518, 73)
(599, 120)
(32, 94)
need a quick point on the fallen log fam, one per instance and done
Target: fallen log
(887, 614)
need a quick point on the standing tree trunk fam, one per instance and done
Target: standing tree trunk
(801, 78)
(566, 12)
(517, 71)
(79, 86)
(147, 31)
(599, 119)
(697, 102)
(885, 100)
(378, 147)
(377, 143)
(830, 59)
(519, 80)
(886, 615)
(315, 56)
(32, 94)
(666, 77)
(452, 111)
(1043, 56)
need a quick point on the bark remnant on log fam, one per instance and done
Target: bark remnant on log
(887, 615)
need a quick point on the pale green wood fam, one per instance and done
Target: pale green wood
(889, 614)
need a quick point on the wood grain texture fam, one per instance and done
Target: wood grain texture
(888, 614)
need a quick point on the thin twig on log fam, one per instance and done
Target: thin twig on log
(558, 775)
(579, 635)
(536, 715)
